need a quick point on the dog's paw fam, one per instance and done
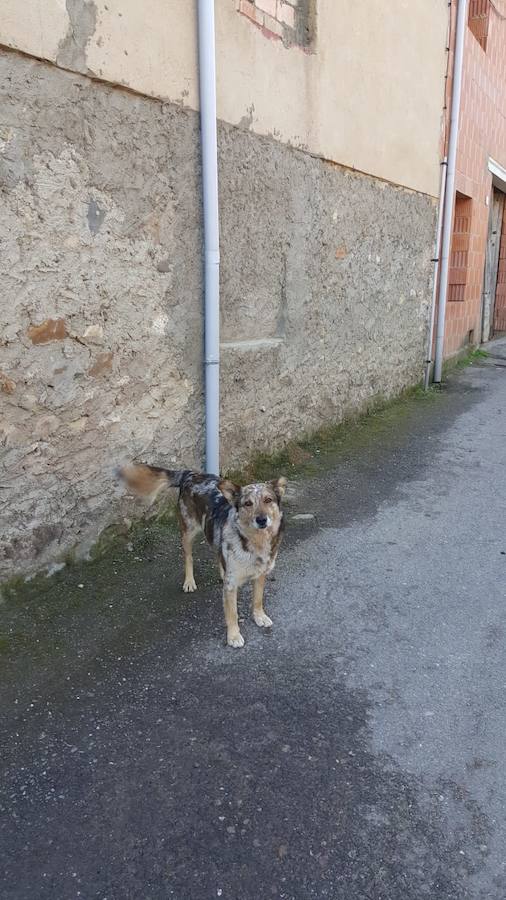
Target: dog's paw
(262, 620)
(235, 640)
(189, 586)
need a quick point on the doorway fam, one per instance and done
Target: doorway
(500, 290)
(490, 279)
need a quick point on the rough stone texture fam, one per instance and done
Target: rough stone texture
(98, 186)
(329, 273)
(325, 291)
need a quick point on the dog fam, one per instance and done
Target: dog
(243, 524)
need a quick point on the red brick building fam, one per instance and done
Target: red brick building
(476, 308)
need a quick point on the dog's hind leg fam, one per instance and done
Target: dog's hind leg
(259, 614)
(234, 636)
(187, 536)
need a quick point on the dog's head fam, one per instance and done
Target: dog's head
(258, 505)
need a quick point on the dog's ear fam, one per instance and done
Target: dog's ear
(230, 491)
(278, 485)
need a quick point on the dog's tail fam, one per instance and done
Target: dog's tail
(145, 480)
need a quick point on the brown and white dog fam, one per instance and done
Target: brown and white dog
(243, 524)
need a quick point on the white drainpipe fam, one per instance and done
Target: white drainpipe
(437, 251)
(207, 80)
(460, 34)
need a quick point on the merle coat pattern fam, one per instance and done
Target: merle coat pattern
(243, 524)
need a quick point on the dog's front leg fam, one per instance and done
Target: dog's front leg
(259, 614)
(234, 636)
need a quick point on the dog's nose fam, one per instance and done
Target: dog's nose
(261, 521)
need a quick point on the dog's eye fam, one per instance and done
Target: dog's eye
(248, 502)
(268, 500)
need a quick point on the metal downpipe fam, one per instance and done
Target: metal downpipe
(437, 252)
(207, 85)
(460, 35)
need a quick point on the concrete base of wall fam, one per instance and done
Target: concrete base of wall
(325, 294)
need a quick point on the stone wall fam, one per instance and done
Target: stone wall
(325, 291)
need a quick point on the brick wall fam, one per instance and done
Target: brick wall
(482, 135)
(292, 21)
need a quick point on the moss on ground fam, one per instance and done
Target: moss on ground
(308, 454)
(465, 358)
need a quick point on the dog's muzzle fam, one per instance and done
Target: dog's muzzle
(261, 521)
